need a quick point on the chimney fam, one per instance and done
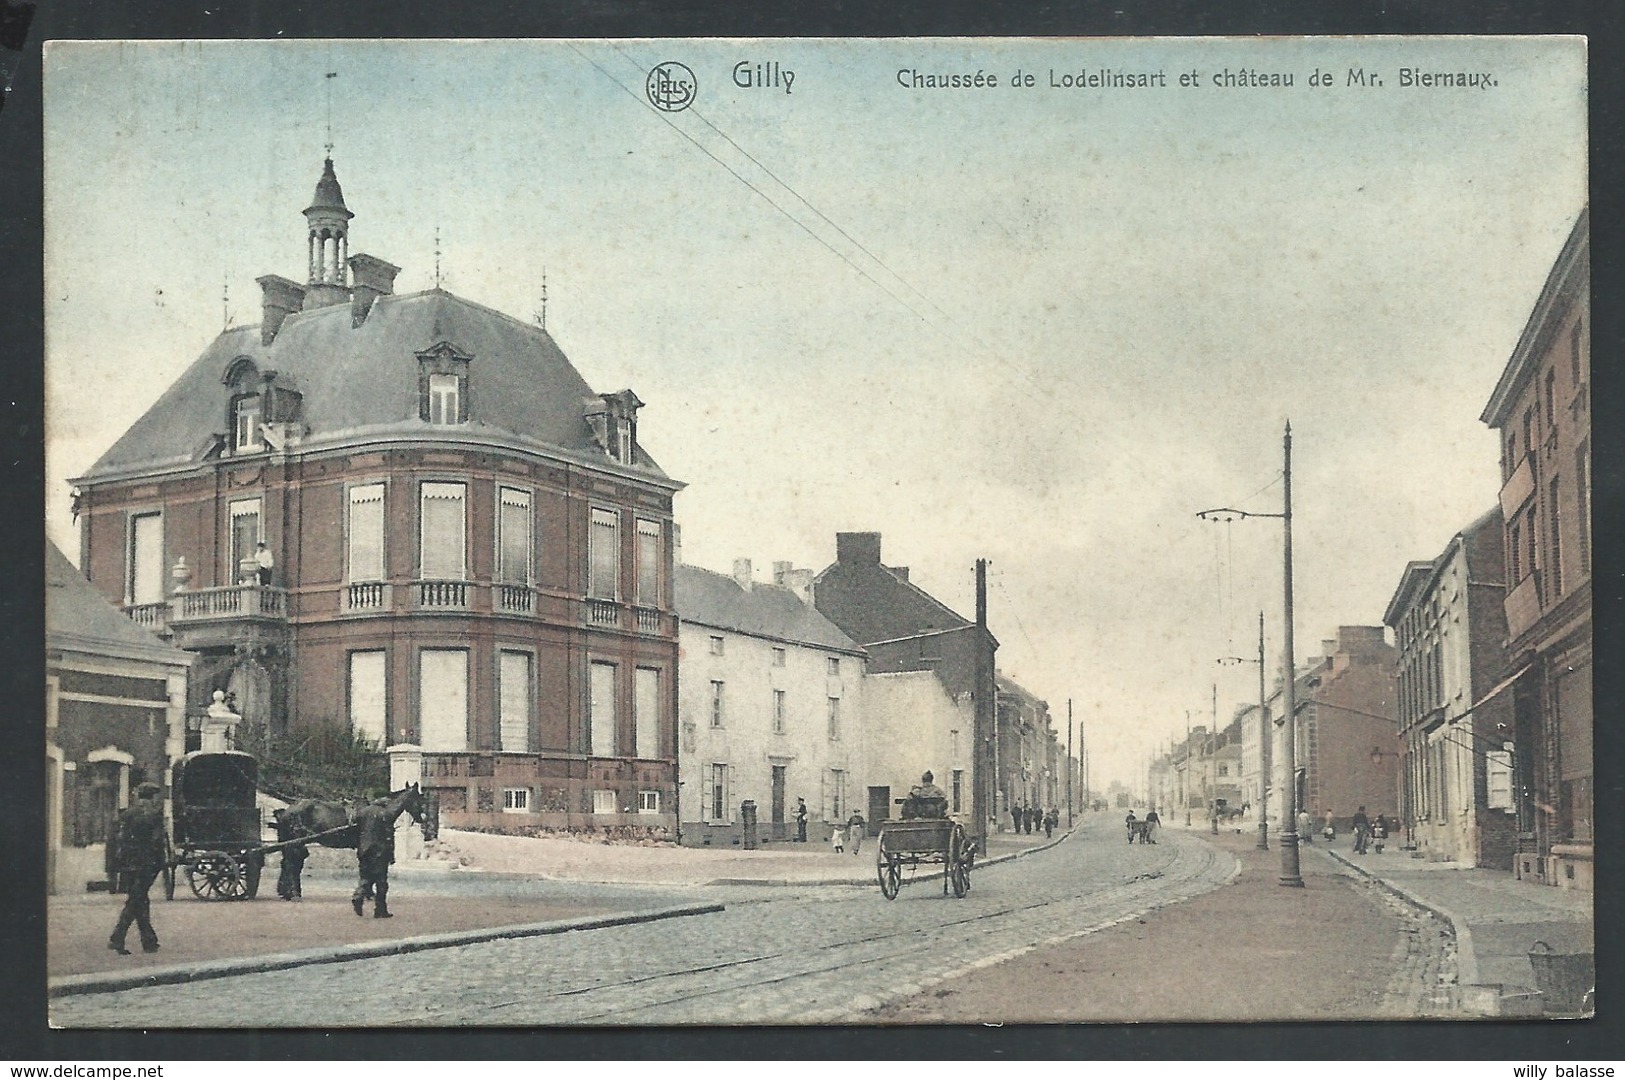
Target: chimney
(781, 569)
(857, 548)
(280, 298)
(371, 277)
(800, 583)
(742, 573)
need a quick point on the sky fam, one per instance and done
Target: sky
(1039, 324)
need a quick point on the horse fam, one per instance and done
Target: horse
(330, 824)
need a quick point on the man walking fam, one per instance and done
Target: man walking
(142, 852)
(375, 850)
(801, 820)
(854, 830)
(1362, 830)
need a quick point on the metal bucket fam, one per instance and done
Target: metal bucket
(1564, 979)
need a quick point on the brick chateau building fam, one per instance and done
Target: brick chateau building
(465, 550)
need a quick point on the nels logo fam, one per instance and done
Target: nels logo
(671, 86)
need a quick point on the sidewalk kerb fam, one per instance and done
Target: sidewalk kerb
(869, 879)
(1466, 959)
(109, 982)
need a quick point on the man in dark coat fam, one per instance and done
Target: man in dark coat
(142, 853)
(801, 821)
(375, 850)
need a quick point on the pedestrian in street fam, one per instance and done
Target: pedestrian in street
(1152, 824)
(1129, 823)
(1362, 831)
(1027, 819)
(143, 852)
(1331, 829)
(854, 831)
(1051, 819)
(293, 869)
(375, 850)
(1015, 818)
(1379, 832)
(1306, 828)
(801, 820)
(837, 838)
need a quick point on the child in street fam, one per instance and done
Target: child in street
(837, 839)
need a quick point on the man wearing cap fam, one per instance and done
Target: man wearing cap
(375, 850)
(142, 853)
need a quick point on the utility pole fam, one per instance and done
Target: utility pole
(984, 718)
(1265, 738)
(1185, 782)
(1070, 769)
(1291, 875)
(1213, 764)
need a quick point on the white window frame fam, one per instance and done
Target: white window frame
(445, 398)
(717, 645)
(647, 593)
(365, 495)
(648, 802)
(521, 724)
(780, 710)
(603, 801)
(431, 489)
(778, 656)
(241, 508)
(834, 666)
(716, 793)
(247, 412)
(832, 715)
(602, 741)
(155, 590)
(516, 800)
(603, 526)
(646, 730)
(520, 499)
(350, 693)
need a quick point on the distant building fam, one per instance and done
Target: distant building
(1028, 773)
(115, 717)
(466, 551)
(771, 707)
(905, 630)
(1457, 749)
(1541, 409)
(1347, 730)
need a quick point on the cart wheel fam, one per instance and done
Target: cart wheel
(891, 877)
(214, 875)
(960, 875)
(254, 864)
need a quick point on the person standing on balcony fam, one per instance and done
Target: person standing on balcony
(263, 562)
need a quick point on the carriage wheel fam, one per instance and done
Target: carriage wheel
(959, 874)
(891, 877)
(251, 875)
(214, 875)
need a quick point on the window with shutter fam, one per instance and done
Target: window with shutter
(443, 699)
(648, 569)
(604, 554)
(514, 528)
(646, 713)
(514, 696)
(602, 709)
(368, 699)
(365, 533)
(245, 537)
(443, 533)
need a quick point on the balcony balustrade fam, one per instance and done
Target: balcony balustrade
(603, 613)
(648, 620)
(443, 594)
(229, 602)
(366, 596)
(154, 617)
(516, 598)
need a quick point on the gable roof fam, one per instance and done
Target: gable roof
(359, 380)
(78, 618)
(873, 604)
(707, 598)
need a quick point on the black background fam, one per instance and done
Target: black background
(23, 1031)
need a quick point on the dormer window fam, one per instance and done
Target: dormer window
(246, 414)
(614, 422)
(445, 399)
(443, 384)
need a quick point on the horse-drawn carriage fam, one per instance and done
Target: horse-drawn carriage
(217, 830)
(926, 836)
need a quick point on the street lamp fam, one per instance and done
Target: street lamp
(1264, 739)
(1291, 875)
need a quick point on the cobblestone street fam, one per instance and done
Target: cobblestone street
(812, 954)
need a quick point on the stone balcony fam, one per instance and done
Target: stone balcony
(228, 615)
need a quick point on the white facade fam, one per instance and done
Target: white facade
(763, 716)
(916, 726)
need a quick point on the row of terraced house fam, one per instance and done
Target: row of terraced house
(409, 516)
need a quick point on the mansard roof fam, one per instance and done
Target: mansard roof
(361, 380)
(716, 600)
